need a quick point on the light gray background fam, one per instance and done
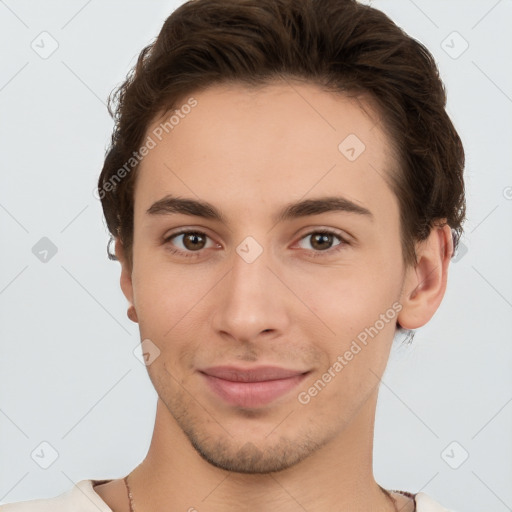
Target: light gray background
(68, 374)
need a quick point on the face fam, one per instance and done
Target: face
(294, 263)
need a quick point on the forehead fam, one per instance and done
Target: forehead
(238, 144)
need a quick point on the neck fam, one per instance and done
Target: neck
(338, 476)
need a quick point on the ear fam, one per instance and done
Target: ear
(126, 279)
(425, 283)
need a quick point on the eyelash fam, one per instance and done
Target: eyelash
(195, 254)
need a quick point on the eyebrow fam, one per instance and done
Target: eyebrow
(171, 204)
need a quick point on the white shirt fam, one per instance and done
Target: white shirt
(83, 498)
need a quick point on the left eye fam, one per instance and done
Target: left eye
(322, 240)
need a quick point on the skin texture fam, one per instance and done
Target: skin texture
(298, 305)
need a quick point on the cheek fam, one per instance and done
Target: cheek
(167, 296)
(166, 309)
(360, 305)
(352, 298)
(363, 316)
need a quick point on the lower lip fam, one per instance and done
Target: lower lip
(252, 394)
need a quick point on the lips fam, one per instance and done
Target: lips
(251, 387)
(263, 373)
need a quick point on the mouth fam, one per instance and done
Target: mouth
(253, 387)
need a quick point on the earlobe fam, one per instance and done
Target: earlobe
(425, 283)
(132, 314)
(126, 279)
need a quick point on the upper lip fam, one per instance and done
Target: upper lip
(257, 374)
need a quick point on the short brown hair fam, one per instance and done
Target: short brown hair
(340, 45)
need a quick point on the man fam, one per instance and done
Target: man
(285, 192)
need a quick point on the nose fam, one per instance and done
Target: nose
(251, 301)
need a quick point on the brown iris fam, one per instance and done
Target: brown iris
(194, 241)
(321, 241)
